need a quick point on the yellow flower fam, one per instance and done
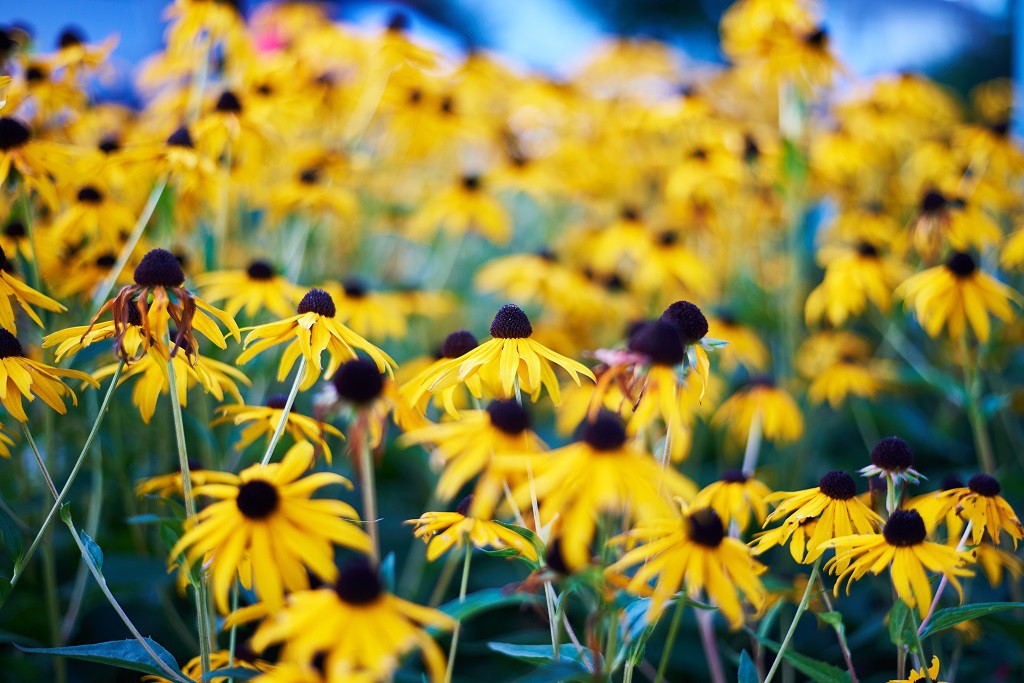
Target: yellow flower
(309, 333)
(465, 207)
(34, 159)
(918, 675)
(256, 288)
(468, 446)
(995, 562)
(957, 293)
(361, 387)
(23, 377)
(93, 215)
(734, 497)
(443, 530)
(266, 514)
(170, 484)
(946, 221)
(903, 548)
(220, 659)
(980, 504)
(359, 627)
(833, 503)
(854, 277)
(691, 551)
(5, 444)
(602, 472)
(779, 416)
(745, 346)
(263, 420)
(378, 315)
(511, 356)
(13, 288)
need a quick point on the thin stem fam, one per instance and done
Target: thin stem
(279, 430)
(36, 283)
(233, 637)
(201, 597)
(945, 579)
(39, 460)
(129, 246)
(369, 486)
(19, 569)
(673, 630)
(796, 619)
(840, 634)
(458, 624)
(753, 449)
(707, 640)
(444, 580)
(972, 385)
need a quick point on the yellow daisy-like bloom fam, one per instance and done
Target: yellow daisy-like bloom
(746, 346)
(5, 444)
(778, 414)
(603, 472)
(834, 506)
(935, 510)
(694, 552)
(71, 340)
(93, 215)
(360, 387)
(996, 562)
(460, 209)
(263, 420)
(13, 288)
(864, 378)
(468, 446)
(220, 659)
(310, 333)
(34, 159)
(736, 497)
(313, 192)
(854, 277)
(257, 287)
(418, 391)
(266, 514)
(957, 293)
(512, 356)
(443, 530)
(918, 675)
(152, 379)
(22, 377)
(903, 548)
(378, 315)
(167, 485)
(980, 504)
(359, 627)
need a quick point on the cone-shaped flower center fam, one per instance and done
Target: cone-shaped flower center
(354, 288)
(984, 485)
(181, 138)
(705, 528)
(905, 528)
(159, 268)
(734, 476)
(838, 485)
(13, 133)
(359, 583)
(257, 499)
(260, 270)
(228, 102)
(9, 345)
(359, 381)
(15, 229)
(962, 265)
(660, 341)
(509, 416)
(604, 433)
(317, 301)
(276, 401)
(463, 507)
(70, 37)
(90, 195)
(892, 454)
(511, 322)
(459, 343)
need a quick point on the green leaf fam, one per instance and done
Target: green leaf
(835, 620)
(238, 673)
(125, 654)
(748, 671)
(95, 552)
(949, 617)
(543, 654)
(533, 538)
(901, 625)
(556, 673)
(817, 671)
(482, 601)
(13, 541)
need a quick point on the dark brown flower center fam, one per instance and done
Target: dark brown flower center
(892, 454)
(257, 499)
(359, 381)
(317, 301)
(838, 485)
(604, 433)
(510, 322)
(358, 582)
(159, 268)
(905, 528)
(962, 265)
(659, 341)
(984, 485)
(260, 270)
(459, 343)
(705, 528)
(13, 133)
(509, 416)
(688, 319)
(10, 347)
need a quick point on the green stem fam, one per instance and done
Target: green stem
(796, 619)
(201, 597)
(972, 385)
(458, 624)
(19, 568)
(233, 636)
(369, 486)
(279, 430)
(673, 630)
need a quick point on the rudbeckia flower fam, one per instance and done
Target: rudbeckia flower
(854, 277)
(266, 513)
(21, 376)
(418, 391)
(230, 131)
(309, 333)
(467, 447)
(360, 386)
(834, 506)
(443, 530)
(957, 293)
(13, 288)
(34, 159)
(892, 458)
(745, 348)
(919, 675)
(953, 222)
(170, 484)
(996, 563)
(219, 659)
(93, 215)
(602, 472)
(360, 627)
(263, 420)
(376, 315)
(691, 552)
(463, 208)
(313, 194)
(981, 506)
(513, 357)
(779, 416)
(256, 288)
(903, 548)
(736, 497)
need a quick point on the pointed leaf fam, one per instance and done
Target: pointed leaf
(949, 617)
(748, 671)
(238, 673)
(901, 625)
(95, 552)
(125, 654)
(482, 601)
(557, 672)
(817, 671)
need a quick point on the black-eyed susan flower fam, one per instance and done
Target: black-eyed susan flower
(603, 472)
(779, 417)
(262, 421)
(259, 286)
(21, 377)
(855, 276)
(230, 129)
(691, 552)
(839, 365)
(981, 505)
(935, 509)
(170, 484)
(13, 288)
(308, 334)
(957, 293)
(373, 314)
(465, 207)
(442, 531)
(71, 340)
(93, 215)
(219, 659)
(266, 514)
(418, 392)
(903, 548)
(736, 497)
(745, 348)
(359, 627)
(834, 507)
(5, 444)
(158, 297)
(467, 447)
(919, 675)
(997, 563)
(35, 160)
(513, 357)
(359, 386)
(892, 459)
